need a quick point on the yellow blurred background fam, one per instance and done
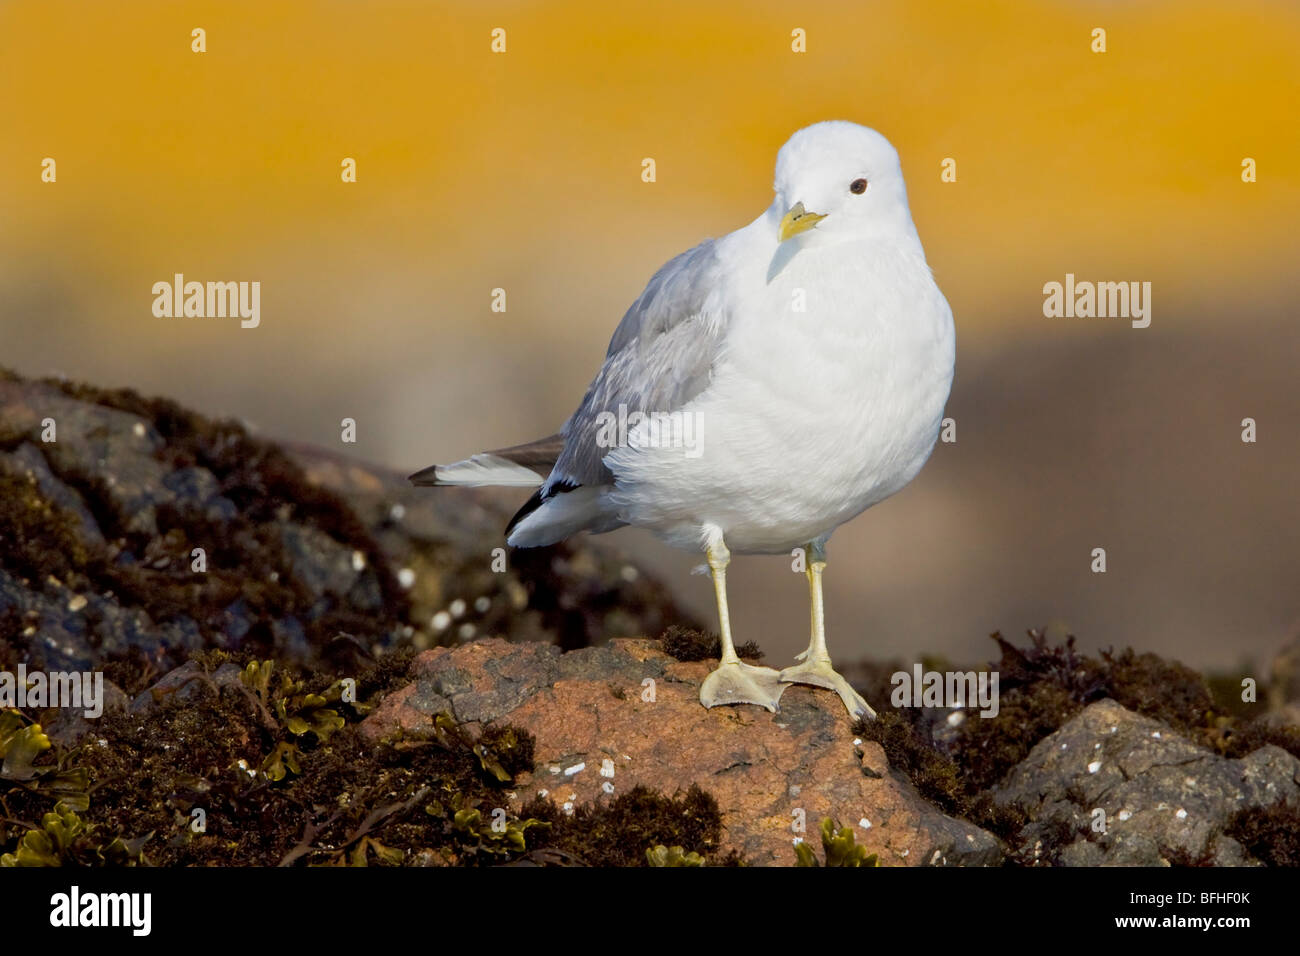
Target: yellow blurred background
(522, 170)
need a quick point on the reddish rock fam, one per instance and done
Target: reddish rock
(626, 714)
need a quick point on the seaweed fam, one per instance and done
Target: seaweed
(839, 847)
(64, 839)
(671, 856)
(271, 769)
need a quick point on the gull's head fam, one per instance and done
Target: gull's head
(837, 181)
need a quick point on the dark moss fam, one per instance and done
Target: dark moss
(1004, 820)
(38, 539)
(11, 625)
(1164, 690)
(132, 671)
(690, 644)
(1248, 736)
(935, 776)
(256, 475)
(987, 748)
(248, 563)
(1044, 663)
(1041, 687)
(1270, 834)
(271, 794)
(619, 833)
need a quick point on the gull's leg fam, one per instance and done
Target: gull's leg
(734, 681)
(816, 667)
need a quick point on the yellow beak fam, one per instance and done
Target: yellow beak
(798, 220)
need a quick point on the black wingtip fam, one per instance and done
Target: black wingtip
(531, 505)
(538, 499)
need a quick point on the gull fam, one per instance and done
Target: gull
(763, 389)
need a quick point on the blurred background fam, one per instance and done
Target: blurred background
(522, 171)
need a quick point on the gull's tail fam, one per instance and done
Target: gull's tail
(566, 509)
(521, 466)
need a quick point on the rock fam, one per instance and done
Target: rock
(145, 534)
(187, 682)
(198, 489)
(93, 442)
(598, 733)
(326, 567)
(100, 529)
(66, 725)
(1165, 800)
(448, 547)
(28, 460)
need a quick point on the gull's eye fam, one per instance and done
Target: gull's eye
(858, 187)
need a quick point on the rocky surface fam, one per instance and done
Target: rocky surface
(1135, 792)
(107, 500)
(609, 718)
(228, 587)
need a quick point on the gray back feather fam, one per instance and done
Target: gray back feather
(660, 357)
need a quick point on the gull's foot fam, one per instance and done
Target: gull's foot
(741, 683)
(821, 674)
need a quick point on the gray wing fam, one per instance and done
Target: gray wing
(660, 357)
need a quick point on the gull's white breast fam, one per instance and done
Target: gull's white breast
(811, 416)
